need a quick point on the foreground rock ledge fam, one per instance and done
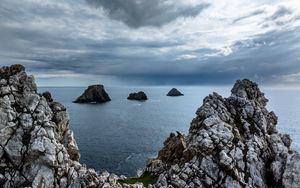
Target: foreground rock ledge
(37, 146)
(233, 142)
(93, 94)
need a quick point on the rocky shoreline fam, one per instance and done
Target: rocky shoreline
(232, 142)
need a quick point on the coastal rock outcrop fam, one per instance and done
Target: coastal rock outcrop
(233, 142)
(93, 94)
(139, 96)
(37, 147)
(174, 92)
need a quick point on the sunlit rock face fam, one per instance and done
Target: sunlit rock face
(232, 142)
(37, 146)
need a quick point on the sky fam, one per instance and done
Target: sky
(157, 42)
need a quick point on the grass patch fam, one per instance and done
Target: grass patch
(146, 179)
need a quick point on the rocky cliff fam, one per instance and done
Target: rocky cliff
(232, 142)
(37, 148)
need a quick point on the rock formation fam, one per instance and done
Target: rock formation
(93, 94)
(233, 142)
(139, 96)
(174, 92)
(37, 148)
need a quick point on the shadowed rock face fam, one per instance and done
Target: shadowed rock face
(139, 96)
(232, 142)
(174, 92)
(93, 94)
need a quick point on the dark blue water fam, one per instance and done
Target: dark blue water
(119, 136)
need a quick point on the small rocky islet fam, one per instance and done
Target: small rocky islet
(174, 92)
(139, 96)
(93, 94)
(232, 142)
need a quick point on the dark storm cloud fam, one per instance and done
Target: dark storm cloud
(266, 58)
(138, 13)
(71, 43)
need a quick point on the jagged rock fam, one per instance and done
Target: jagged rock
(47, 96)
(93, 94)
(233, 142)
(139, 96)
(37, 147)
(174, 92)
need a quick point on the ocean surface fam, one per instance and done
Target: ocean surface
(119, 136)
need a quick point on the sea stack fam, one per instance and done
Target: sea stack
(174, 92)
(93, 94)
(139, 96)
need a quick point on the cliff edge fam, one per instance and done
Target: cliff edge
(37, 147)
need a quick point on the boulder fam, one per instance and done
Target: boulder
(93, 94)
(174, 92)
(139, 96)
(47, 96)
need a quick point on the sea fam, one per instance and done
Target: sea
(121, 135)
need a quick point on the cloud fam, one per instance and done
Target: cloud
(281, 12)
(139, 13)
(289, 78)
(225, 42)
(251, 14)
(186, 57)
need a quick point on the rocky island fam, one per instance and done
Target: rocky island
(139, 96)
(232, 142)
(93, 94)
(174, 92)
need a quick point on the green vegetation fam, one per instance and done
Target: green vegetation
(146, 179)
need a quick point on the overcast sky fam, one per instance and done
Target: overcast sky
(114, 42)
